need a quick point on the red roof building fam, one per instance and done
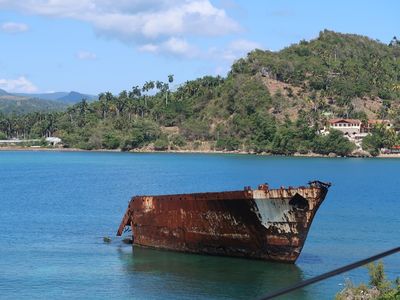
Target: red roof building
(347, 126)
(356, 126)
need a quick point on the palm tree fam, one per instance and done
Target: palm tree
(131, 107)
(82, 107)
(121, 101)
(170, 80)
(105, 99)
(148, 86)
(71, 112)
(135, 93)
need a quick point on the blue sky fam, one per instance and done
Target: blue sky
(93, 46)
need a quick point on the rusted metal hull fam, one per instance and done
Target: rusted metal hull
(269, 224)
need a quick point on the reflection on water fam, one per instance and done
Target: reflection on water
(207, 277)
(86, 195)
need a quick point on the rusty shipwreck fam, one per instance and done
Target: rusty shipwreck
(264, 223)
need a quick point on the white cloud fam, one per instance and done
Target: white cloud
(12, 27)
(180, 47)
(154, 26)
(86, 55)
(173, 46)
(235, 50)
(164, 23)
(149, 48)
(20, 84)
(221, 70)
(243, 46)
(282, 13)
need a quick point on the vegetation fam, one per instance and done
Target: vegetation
(380, 138)
(270, 102)
(338, 65)
(378, 288)
(21, 105)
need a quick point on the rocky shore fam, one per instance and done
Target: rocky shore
(359, 154)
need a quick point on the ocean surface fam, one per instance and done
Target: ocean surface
(56, 207)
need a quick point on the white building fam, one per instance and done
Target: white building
(347, 126)
(52, 140)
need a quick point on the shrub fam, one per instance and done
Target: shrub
(111, 141)
(195, 129)
(334, 142)
(178, 140)
(161, 144)
(229, 144)
(379, 288)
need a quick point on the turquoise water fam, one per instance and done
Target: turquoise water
(56, 207)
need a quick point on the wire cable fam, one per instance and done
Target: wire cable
(329, 274)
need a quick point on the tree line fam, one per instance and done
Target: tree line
(239, 112)
(134, 119)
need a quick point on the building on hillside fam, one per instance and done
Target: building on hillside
(53, 141)
(371, 123)
(355, 130)
(355, 127)
(347, 126)
(394, 150)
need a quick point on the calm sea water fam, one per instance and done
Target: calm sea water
(56, 207)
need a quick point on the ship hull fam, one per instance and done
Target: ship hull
(261, 224)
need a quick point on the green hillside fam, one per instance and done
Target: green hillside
(10, 104)
(338, 65)
(272, 102)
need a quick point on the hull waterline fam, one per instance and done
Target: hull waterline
(268, 224)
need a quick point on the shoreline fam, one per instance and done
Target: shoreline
(309, 155)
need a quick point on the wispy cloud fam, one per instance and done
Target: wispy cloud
(282, 13)
(20, 84)
(234, 50)
(173, 46)
(164, 25)
(179, 47)
(12, 27)
(243, 46)
(85, 55)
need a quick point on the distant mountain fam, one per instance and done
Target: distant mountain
(11, 104)
(20, 103)
(74, 97)
(45, 96)
(3, 93)
(65, 97)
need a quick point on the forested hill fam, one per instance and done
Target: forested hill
(269, 102)
(334, 64)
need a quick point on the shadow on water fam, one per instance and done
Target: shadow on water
(208, 277)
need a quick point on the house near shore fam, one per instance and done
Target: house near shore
(347, 126)
(394, 150)
(372, 123)
(355, 127)
(53, 141)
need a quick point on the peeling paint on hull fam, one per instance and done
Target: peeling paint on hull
(269, 224)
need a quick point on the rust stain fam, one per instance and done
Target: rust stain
(269, 224)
